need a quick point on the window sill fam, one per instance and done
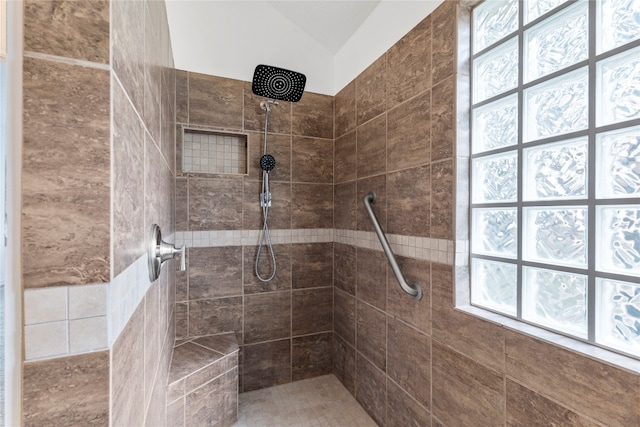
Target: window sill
(579, 347)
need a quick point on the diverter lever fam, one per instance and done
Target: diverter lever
(161, 251)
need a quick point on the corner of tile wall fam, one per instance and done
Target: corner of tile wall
(77, 319)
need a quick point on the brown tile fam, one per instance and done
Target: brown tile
(312, 160)
(477, 339)
(345, 206)
(279, 146)
(526, 408)
(409, 360)
(182, 320)
(65, 185)
(344, 267)
(371, 334)
(127, 373)
(127, 48)
(313, 116)
(188, 358)
(175, 413)
(465, 393)
(377, 184)
(443, 121)
(215, 272)
(587, 386)
(344, 316)
(371, 389)
(182, 204)
(312, 206)
(215, 101)
(403, 410)
(67, 391)
(210, 371)
(215, 204)
(267, 316)
(159, 190)
(175, 390)
(182, 96)
(435, 422)
(179, 133)
(312, 311)
(207, 317)
(345, 109)
(266, 364)
(154, 331)
(168, 130)
(157, 410)
(312, 356)
(344, 363)
(167, 301)
(408, 201)
(311, 265)
(254, 115)
(222, 343)
(372, 277)
(71, 29)
(345, 158)
(214, 404)
(279, 215)
(401, 305)
(371, 143)
(128, 182)
(442, 200)
(409, 64)
(371, 91)
(443, 41)
(153, 86)
(409, 133)
(282, 279)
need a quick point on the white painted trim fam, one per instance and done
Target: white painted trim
(13, 276)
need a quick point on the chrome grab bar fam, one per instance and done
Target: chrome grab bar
(415, 291)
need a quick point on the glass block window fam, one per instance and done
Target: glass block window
(555, 166)
(213, 152)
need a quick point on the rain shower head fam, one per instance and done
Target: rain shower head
(278, 83)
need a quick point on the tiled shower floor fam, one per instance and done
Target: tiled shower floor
(316, 402)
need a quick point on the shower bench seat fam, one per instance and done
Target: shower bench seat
(203, 382)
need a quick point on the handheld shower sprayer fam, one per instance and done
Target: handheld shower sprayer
(274, 84)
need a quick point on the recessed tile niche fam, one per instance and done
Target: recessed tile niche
(213, 152)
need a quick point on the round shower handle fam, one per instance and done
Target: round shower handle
(161, 251)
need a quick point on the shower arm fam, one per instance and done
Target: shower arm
(415, 291)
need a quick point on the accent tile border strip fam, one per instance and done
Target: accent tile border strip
(65, 320)
(437, 250)
(86, 318)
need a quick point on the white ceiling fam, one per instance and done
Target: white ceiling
(331, 23)
(331, 41)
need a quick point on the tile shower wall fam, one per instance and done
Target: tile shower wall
(423, 362)
(65, 210)
(143, 117)
(284, 326)
(98, 170)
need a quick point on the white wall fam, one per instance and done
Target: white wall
(387, 24)
(229, 38)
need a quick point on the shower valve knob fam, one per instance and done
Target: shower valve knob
(161, 251)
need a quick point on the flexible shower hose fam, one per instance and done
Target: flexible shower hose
(265, 235)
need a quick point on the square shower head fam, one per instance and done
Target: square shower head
(278, 83)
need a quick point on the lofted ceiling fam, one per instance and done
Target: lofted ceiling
(331, 41)
(331, 23)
